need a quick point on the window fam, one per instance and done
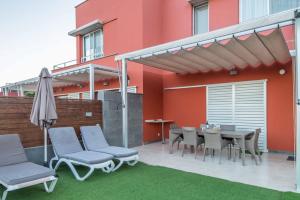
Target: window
(92, 45)
(251, 9)
(282, 5)
(201, 18)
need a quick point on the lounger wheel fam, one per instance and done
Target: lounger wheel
(132, 163)
(109, 168)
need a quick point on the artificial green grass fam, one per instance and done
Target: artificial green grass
(144, 182)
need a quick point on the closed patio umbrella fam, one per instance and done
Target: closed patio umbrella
(43, 113)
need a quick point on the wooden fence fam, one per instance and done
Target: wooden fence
(15, 114)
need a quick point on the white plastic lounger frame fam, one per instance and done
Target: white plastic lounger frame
(130, 160)
(48, 189)
(106, 167)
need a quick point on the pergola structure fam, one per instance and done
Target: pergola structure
(89, 73)
(250, 44)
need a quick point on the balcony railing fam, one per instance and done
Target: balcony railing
(65, 64)
(82, 60)
(91, 57)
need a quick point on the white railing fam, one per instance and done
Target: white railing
(91, 57)
(65, 64)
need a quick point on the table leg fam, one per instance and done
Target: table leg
(172, 140)
(163, 133)
(243, 150)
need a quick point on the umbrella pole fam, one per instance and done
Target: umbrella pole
(45, 147)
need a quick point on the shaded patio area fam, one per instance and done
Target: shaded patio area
(275, 172)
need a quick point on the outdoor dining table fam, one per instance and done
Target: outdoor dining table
(240, 136)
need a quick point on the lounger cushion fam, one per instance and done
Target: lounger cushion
(118, 152)
(93, 137)
(89, 157)
(64, 140)
(11, 150)
(23, 172)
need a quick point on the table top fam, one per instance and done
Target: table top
(228, 134)
(158, 121)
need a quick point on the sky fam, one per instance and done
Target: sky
(33, 35)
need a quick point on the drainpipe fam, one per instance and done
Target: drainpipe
(92, 82)
(297, 70)
(124, 103)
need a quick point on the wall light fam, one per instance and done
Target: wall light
(105, 83)
(233, 72)
(282, 71)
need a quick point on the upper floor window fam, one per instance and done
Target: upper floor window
(251, 9)
(201, 18)
(92, 45)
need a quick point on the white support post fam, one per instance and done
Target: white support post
(125, 103)
(297, 84)
(92, 82)
(21, 91)
(6, 92)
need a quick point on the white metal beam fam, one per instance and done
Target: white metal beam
(297, 69)
(124, 103)
(92, 82)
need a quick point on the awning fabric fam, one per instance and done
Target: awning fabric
(253, 50)
(87, 28)
(72, 76)
(250, 44)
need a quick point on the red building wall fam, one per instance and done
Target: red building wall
(137, 24)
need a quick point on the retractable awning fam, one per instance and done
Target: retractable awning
(87, 28)
(238, 46)
(69, 77)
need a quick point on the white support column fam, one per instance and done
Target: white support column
(125, 103)
(92, 82)
(5, 91)
(21, 91)
(297, 84)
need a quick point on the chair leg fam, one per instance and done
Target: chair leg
(183, 150)
(178, 145)
(220, 158)
(234, 154)
(196, 147)
(204, 153)
(259, 155)
(229, 151)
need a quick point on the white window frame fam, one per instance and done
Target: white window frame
(92, 56)
(268, 12)
(193, 13)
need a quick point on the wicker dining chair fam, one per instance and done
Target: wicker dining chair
(174, 138)
(251, 145)
(191, 138)
(231, 142)
(214, 141)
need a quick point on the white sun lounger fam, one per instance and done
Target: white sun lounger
(68, 149)
(94, 140)
(16, 171)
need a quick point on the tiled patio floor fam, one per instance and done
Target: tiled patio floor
(275, 172)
